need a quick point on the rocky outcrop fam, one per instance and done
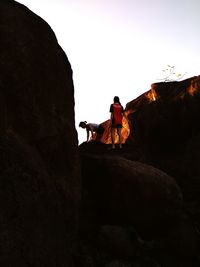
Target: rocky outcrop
(167, 133)
(140, 204)
(164, 119)
(39, 166)
(105, 138)
(164, 132)
(139, 186)
(124, 192)
(134, 211)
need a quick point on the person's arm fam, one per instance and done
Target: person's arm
(88, 134)
(111, 113)
(91, 127)
(92, 133)
(111, 117)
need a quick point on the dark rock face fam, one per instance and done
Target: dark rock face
(39, 165)
(129, 193)
(164, 126)
(148, 189)
(167, 132)
(127, 187)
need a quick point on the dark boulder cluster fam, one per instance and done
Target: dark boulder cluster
(39, 165)
(88, 206)
(151, 186)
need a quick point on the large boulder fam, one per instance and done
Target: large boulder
(165, 129)
(128, 193)
(163, 125)
(39, 165)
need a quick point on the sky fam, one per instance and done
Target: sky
(121, 47)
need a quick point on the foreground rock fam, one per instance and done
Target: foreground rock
(39, 169)
(123, 192)
(134, 210)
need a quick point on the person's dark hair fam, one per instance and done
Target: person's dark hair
(82, 123)
(116, 99)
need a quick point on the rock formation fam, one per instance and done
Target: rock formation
(167, 131)
(123, 188)
(130, 193)
(140, 205)
(39, 167)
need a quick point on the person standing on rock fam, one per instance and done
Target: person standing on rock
(92, 128)
(116, 110)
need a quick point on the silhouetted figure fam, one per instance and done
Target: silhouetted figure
(92, 128)
(116, 110)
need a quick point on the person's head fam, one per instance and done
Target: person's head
(116, 99)
(83, 124)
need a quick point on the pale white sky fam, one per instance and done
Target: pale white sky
(119, 47)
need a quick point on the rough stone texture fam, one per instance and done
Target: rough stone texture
(167, 133)
(165, 125)
(105, 138)
(164, 133)
(120, 242)
(123, 192)
(39, 165)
